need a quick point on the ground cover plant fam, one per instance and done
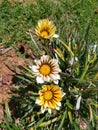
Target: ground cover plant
(57, 88)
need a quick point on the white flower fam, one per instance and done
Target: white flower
(46, 70)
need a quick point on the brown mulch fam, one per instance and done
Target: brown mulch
(9, 62)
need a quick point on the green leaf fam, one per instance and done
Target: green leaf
(91, 113)
(67, 48)
(70, 116)
(43, 124)
(62, 121)
(60, 54)
(7, 111)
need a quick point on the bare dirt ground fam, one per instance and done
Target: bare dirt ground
(9, 62)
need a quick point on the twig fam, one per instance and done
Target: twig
(3, 51)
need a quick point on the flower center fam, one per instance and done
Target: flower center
(45, 69)
(48, 95)
(44, 33)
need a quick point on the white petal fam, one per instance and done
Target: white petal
(56, 70)
(37, 101)
(54, 62)
(46, 78)
(59, 104)
(43, 109)
(78, 103)
(46, 105)
(56, 36)
(38, 63)
(63, 94)
(55, 76)
(56, 81)
(58, 108)
(39, 79)
(34, 68)
(31, 66)
(44, 58)
(49, 110)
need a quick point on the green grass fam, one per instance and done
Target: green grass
(16, 19)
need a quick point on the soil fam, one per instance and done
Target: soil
(9, 62)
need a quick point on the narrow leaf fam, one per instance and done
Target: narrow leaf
(70, 116)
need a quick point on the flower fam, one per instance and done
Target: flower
(46, 70)
(50, 97)
(45, 29)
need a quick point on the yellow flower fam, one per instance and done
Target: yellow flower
(50, 97)
(45, 29)
(46, 70)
